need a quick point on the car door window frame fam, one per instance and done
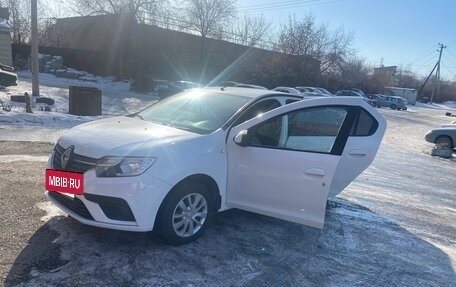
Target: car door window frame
(339, 143)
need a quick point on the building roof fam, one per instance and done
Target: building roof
(4, 26)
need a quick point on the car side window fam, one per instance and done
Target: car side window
(310, 130)
(364, 125)
(257, 109)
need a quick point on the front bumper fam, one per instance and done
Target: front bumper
(107, 201)
(429, 137)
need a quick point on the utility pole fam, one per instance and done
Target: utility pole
(437, 74)
(34, 55)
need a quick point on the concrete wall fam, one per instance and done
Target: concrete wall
(5, 49)
(133, 50)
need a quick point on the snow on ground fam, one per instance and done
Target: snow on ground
(117, 99)
(449, 105)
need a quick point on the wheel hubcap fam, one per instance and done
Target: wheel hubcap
(189, 215)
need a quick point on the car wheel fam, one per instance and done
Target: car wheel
(444, 141)
(393, 106)
(185, 213)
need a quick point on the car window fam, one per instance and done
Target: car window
(257, 109)
(196, 111)
(364, 125)
(310, 130)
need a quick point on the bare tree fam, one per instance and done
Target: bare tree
(208, 16)
(312, 40)
(19, 11)
(143, 10)
(250, 29)
(298, 37)
(339, 48)
(354, 73)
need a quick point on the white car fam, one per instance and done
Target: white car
(174, 164)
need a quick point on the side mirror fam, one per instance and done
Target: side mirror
(241, 138)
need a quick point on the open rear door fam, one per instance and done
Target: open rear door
(283, 163)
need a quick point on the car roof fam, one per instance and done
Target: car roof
(244, 92)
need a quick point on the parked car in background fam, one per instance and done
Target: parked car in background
(166, 88)
(186, 85)
(287, 90)
(6, 68)
(395, 103)
(445, 136)
(176, 163)
(359, 91)
(352, 93)
(8, 78)
(303, 89)
(309, 95)
(249, 86)
(325, 91)
(348, 93)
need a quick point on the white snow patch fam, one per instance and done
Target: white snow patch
(117, 99)
(50, 209)
(449, 105)
(22, 157)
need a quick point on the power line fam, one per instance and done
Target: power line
(273, 4)
(289, 6)
(420, 58)
(450, 72)
(277, 5)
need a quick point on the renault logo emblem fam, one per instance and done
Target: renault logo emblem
(66, 156)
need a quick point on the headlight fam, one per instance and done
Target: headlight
(123, 166)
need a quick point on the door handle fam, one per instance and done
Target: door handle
(315, 171)
(360, 152)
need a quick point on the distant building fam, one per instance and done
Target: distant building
(6, 56)
(385, 75)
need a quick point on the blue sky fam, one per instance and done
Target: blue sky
(402, 32)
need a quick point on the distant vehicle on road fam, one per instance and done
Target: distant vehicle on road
(395, 103)
(445, 136)
(406, 93)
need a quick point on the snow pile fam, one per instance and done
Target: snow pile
(117, 99)
(449, 105)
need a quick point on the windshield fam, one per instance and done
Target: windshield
(196, 111)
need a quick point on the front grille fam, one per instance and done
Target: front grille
(74, 204)
(76, 163)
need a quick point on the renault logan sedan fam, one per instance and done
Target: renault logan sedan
(172, 165)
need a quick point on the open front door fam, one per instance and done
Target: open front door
(283, 163)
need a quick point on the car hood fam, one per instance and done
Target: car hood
(120, 136)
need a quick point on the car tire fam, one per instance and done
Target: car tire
(186, 213)
(393, 106)
(444, 141)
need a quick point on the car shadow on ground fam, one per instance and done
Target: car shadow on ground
(357, 247)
